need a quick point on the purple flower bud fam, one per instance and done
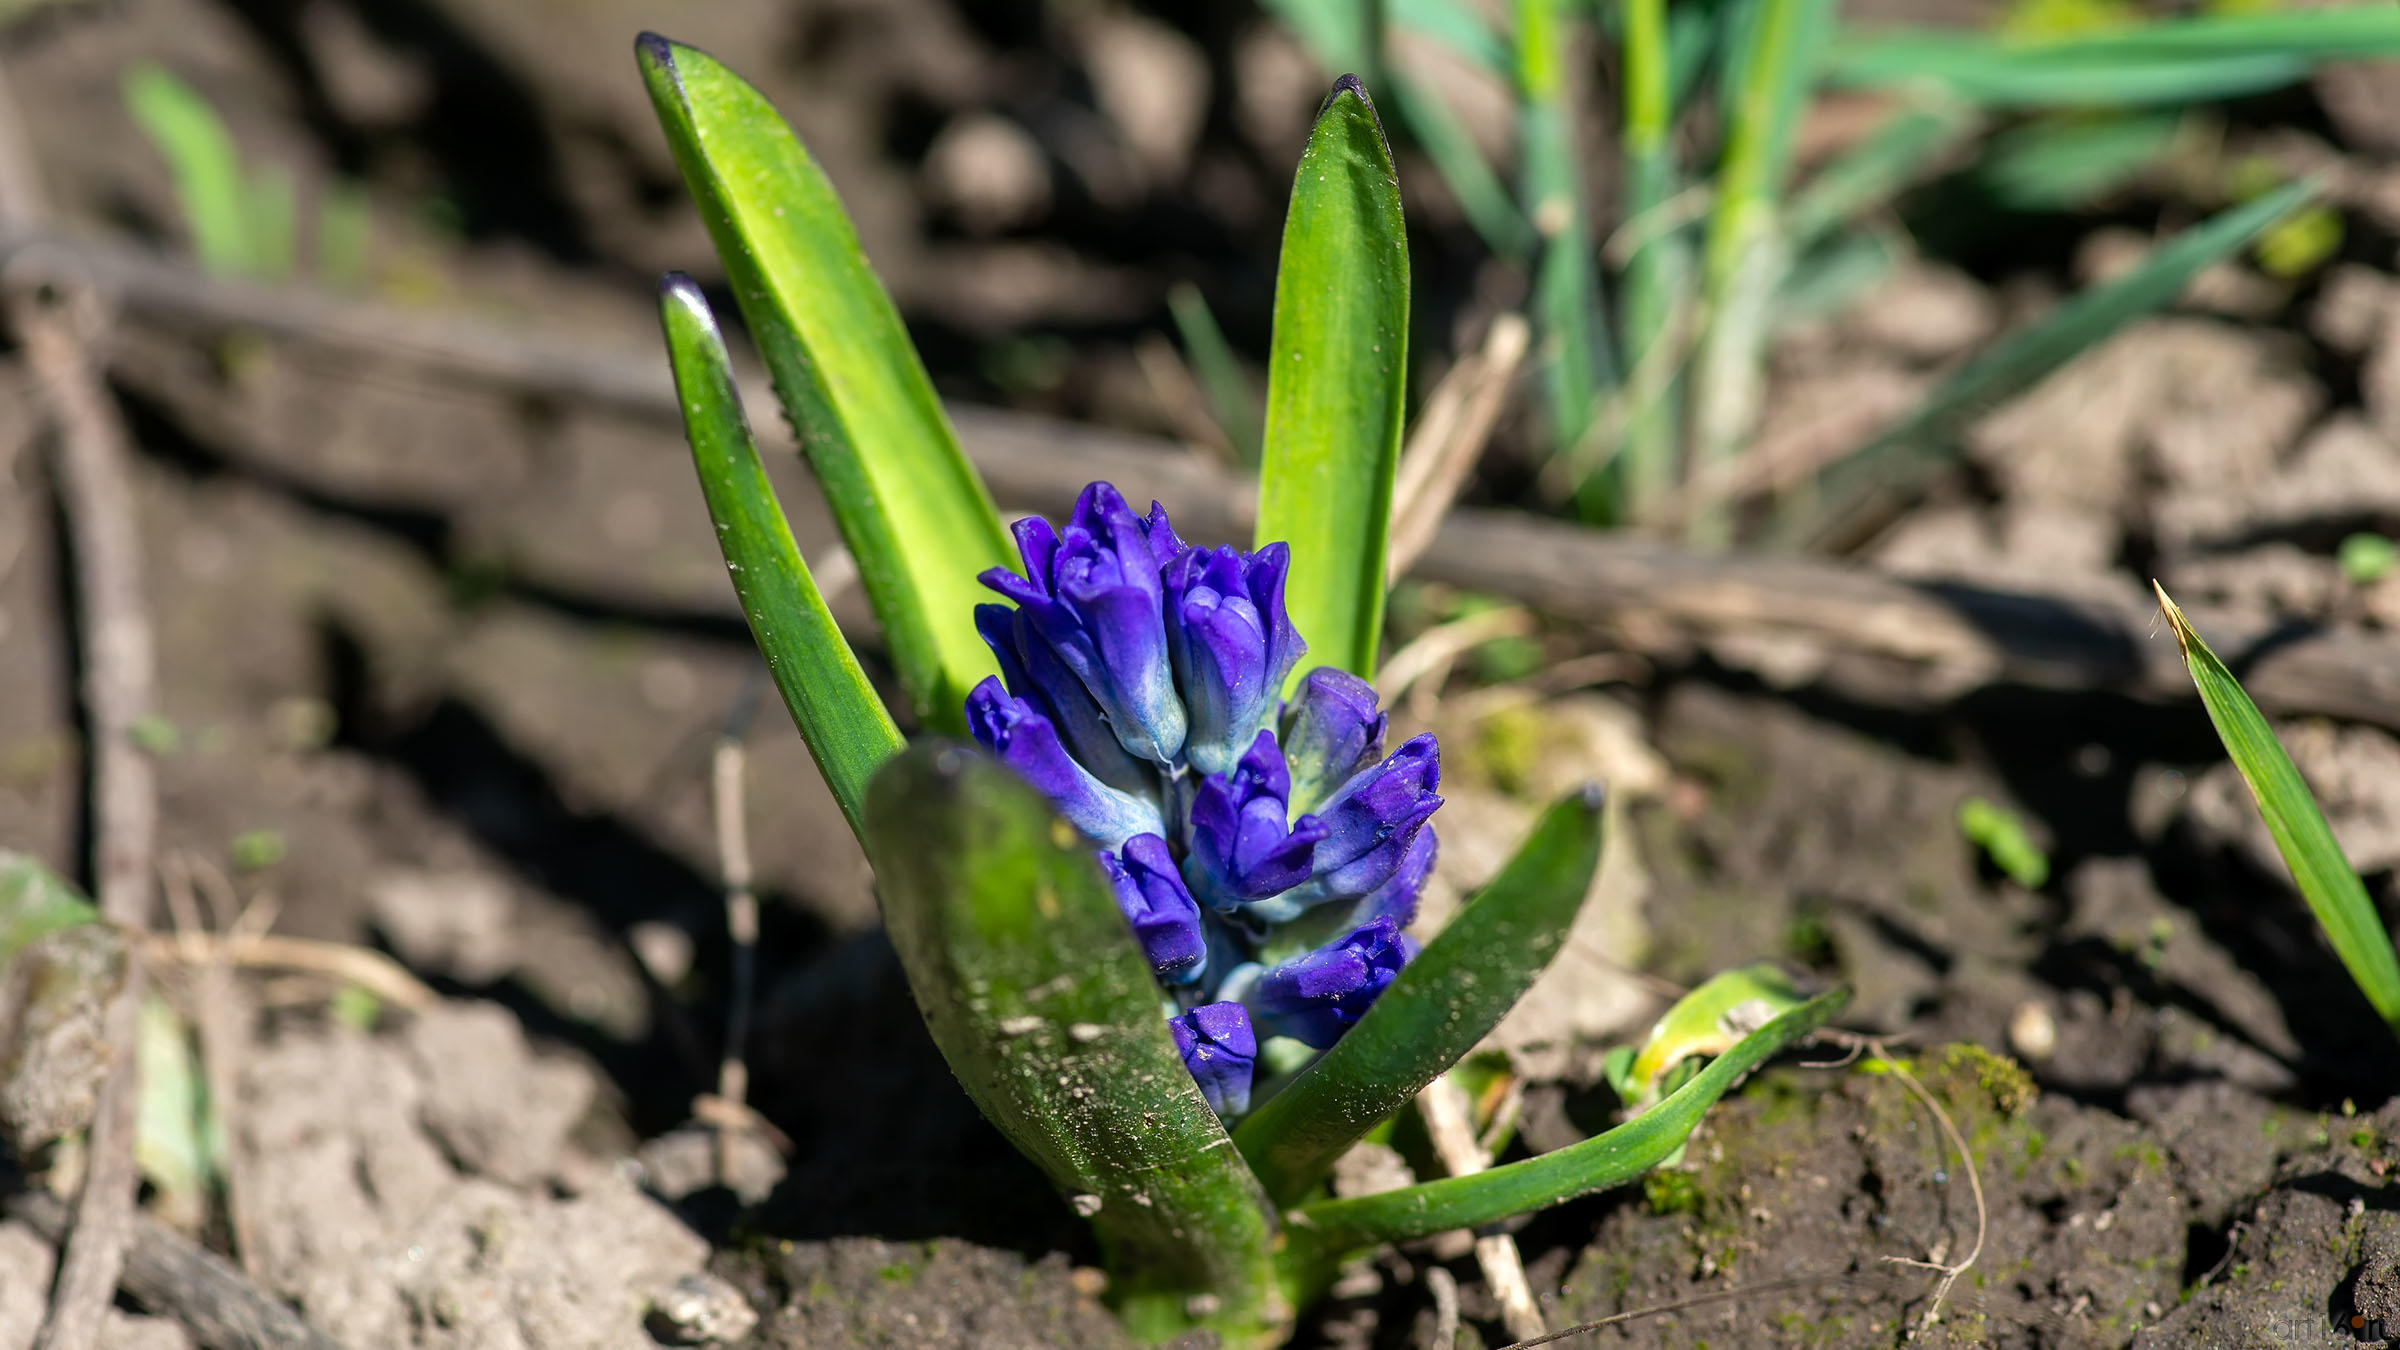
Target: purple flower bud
(1027, 742)
(1092, 592)
(1164, 916)
(1232, 644)
(1370, 823)
(1331, 730)
(1220, 1050)
(1396, 898)
(1035, 674)
(1317, 997)
(1244, 844)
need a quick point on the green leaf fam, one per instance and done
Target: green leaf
(35, 902)
(915, 515)
(1443, 1002)
(1573, 354)
(2177, 61)
(845, 724)
(1905, 146)
(210, 188)
(2326, 880)
(2054, 164)
(1657, 271)
(1771, 64)
(1231, 399)
(1339, 368)
(1039, 998)
(1895, 461)
(1320, 1235)
(1708, 1021)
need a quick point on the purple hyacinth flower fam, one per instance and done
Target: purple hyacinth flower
(1034, 673)
(1370, 824)
(1317, 997)
(1244, 844)
(1221, 1051)
(1396, 898)
(1092, 592)
(1331, 730)
(1027, 742)
(1164, 916)
(1232, 644)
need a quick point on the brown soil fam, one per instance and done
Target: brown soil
(465, 653)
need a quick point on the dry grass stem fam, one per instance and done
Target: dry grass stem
(370, 970)
(1450, 435)
(1450, 1124)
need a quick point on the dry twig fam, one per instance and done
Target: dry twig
(96, 491)
(1449, 1123)
(371, 970)
(1451, 432)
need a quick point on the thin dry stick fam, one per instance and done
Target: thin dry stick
(1449, 1123)
(1451, 433)
(222, 1018)
(1435, 648)
(1679, 1305)
(741, 922)
(1444, 1288)
(96, 494)
(371, 970)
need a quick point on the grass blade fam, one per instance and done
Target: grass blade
(915, 515)
(1656, 271)
(210, 186)
(1892, 157)
(1339, 365)
(1322, 1234)
(2176, 61)
(1231, 398)
(1444, 1002)
(1457, 26)
(2325, 878)
(1895, 461)
(1574, 356)
(2059, 163)
(1481, 196)
(1770, 68)
(1041, 1002)
(838, 713)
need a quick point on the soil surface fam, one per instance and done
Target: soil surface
(462, 656)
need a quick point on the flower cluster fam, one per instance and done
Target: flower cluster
(1266, 851)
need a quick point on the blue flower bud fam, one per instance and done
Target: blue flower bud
(1164, 916)
(1317, 997)
(1034, 673)
(1092, 592)
(1232, 645)
(1221, 1051)
(1244, 845)
(1331, 730)
(1396, 898)
(1027, 742)
(1369, 825)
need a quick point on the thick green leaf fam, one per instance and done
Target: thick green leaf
(1896, 461)
(1444, 1002)
(1039, 998)
(915, 515)
(1339, 367)
(2179, 61)
(836, 709)
(1321, 1235)
(2326, 879)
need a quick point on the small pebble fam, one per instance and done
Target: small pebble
(701, 1309)
(2032, 1031)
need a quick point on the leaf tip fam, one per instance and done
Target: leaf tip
(1352, 85)
(2180, 626)
(655, 52)
(1592, 797)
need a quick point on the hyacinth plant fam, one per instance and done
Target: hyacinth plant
(1150, 866)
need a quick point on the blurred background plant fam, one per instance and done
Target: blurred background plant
(1685, 184)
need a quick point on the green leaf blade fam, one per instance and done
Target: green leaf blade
(2325, 878)
(1038, 996)
(916, 516)
(847, 729)
(1442, 1004)
(1324, 1233)
(1339, 368)
(1897, 459)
